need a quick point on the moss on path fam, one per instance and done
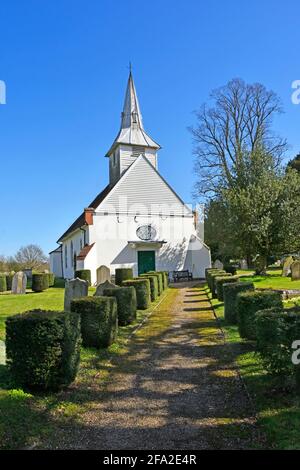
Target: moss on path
(174, 387)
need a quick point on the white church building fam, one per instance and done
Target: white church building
(138, 220)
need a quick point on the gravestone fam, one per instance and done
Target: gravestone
(218, 264)
(243, 264)
(295, 268)
(74, 289)
(104, 285)
(28, 273)
(286, 270)
(19, 283)
(103, 274)
(2, 353)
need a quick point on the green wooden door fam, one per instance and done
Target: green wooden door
(146, 261)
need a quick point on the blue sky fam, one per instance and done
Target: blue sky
(65, 65)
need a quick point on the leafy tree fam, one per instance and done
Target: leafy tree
(31, 256)
(295, 163)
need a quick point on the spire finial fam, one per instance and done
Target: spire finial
(130, 67)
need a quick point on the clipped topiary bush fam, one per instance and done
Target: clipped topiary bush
(159, 280)
(9, 279)
(213, 278)
(99, 320)
(153, 285)
(220, 281)
(276, 330)
(43, 348)
(230, 293)
(122, 274)
(3, 284)
(208, 270)
(248, 303)
(51, 277)
(84, 274)
(165, 278)
(126, 303)
(211, 275)
(40, 282)
(230, 269)
(142, 289)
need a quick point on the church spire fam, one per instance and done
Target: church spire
(132, 131)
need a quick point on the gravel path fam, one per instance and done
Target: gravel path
(175, 388)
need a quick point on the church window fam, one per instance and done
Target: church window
(80, 244)
(66, 256)
(72, 251)
(114, 158)
(146, 232)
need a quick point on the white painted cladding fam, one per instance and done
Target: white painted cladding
(142, 189)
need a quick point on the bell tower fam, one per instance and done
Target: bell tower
(132, 139)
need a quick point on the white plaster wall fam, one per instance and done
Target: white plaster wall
(112, 233)
(75, 238)
(55, 264)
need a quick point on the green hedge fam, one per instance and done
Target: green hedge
(220, 281)
(142, 289)
(40, 282)
(51, 277)
(84, 274)
(99, 320)
(230, 269)
(159, 280)
(248, 303)
(230, 293)
(3, 284)
(165, 278)
(9, 279)
(123, 274)
(126, 303)
(43, 348)
(153, 285)
(208, 270)
(211, 275)
(276, 330)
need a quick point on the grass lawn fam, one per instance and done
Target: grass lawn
(273, 280)
(276, 402)
(27, 419)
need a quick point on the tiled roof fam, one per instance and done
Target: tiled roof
(80, 221)
(85, 250)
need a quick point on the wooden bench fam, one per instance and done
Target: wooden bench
(180, 275)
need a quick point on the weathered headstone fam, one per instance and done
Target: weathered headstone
(286, 269)
(19, 283)
(103, 274)
(2, 353)
(295, 268)
(104, 285)
(28, 273)
(218, 264)
(74, 289)
(244, 264)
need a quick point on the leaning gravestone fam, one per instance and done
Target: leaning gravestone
(103, 274)
(295, 268)
(104, 285)
(218, 264)
(286, 269)
(19, 283)
(74, 289)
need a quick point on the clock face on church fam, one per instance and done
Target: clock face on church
(146, 232)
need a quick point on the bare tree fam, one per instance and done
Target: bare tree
(236, 125)
(31, 256)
